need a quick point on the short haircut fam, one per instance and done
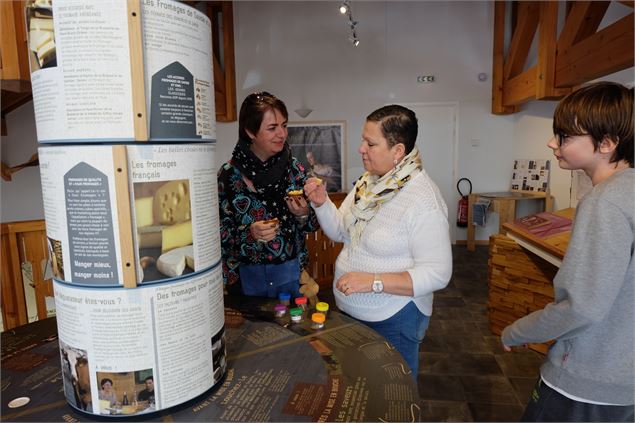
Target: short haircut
(104, 380)
(601, 110)
(398, 125)
(254, 108)
(149, 378)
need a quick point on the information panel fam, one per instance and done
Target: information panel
(172, 211)
(83, 58)
(135, 351)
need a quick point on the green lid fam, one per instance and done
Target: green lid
(296, 311)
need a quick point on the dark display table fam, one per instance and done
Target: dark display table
(277, 371)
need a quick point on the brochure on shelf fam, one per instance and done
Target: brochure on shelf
(170, 332)
(130, 214)
(113, 70)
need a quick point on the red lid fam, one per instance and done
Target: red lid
(300, 300)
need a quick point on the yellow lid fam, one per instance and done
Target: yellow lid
(318, 317)
(321, 306)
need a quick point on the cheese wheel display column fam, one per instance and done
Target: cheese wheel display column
(123, 94)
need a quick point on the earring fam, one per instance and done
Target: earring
(395, 162)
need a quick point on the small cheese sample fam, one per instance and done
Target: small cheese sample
(295, 193)
(172, 202)
(175, 236)
(173, 262)
(143, 211)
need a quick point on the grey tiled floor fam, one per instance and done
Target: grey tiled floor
(464, 373)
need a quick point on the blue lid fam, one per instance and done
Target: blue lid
(284, 296)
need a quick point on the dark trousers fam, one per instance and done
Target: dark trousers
(547, 405)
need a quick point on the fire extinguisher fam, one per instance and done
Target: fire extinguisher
(461, 215)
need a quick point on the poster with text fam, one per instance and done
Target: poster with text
(81, 71)
(136, 351)
(173, 212)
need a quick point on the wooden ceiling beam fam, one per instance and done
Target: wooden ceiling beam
(546, 68)
(608, 51)
(580, 54)
(522, 38)
(582, 21)
(521, 88)
(498, 62)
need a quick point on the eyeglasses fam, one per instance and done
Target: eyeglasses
(261, 95)
(563, 138)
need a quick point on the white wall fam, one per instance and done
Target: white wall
(300, 52)
(21, 199)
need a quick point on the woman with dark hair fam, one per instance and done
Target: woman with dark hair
(394, 226)
(107, 392)
(262, 227)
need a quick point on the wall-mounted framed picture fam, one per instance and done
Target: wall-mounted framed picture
(321, 147)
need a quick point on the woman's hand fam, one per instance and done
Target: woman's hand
(315, 191)
(297, 205)
(264, 230)
(355, 282)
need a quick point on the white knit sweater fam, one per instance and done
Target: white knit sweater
(409, 233)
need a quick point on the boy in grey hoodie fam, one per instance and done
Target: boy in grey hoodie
(588, 374)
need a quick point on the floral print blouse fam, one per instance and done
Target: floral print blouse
(240, 206)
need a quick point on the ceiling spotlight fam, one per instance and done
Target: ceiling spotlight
(344, 8)
(355, 42)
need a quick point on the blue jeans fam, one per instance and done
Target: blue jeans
(548, 405)
(405, 331)
(269, 280)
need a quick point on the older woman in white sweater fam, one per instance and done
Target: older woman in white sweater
(395, 232)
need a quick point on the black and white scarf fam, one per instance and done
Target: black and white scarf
(268, 177)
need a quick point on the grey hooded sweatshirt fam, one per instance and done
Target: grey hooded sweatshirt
(592, 317)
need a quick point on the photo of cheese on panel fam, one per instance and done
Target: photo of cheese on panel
(163, 214)
(41, 34)
(57, 259)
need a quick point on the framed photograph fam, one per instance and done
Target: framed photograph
(321, 147)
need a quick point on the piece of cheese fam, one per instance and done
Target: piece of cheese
(45, 51)
(189, 260)
(173, 262)
(43, 3)
(150, 239)
(37, 39)
(41, 24)
(175, 236)
(143, 211)
(172, 202)
(150, 236)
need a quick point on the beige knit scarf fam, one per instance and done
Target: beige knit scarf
(371, 191)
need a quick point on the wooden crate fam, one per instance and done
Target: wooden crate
(520, 282)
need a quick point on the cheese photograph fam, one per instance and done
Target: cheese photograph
(41, 34)
(152, 208)
(163, 215)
